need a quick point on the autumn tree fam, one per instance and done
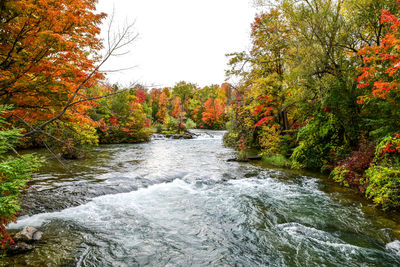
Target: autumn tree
(184, 91)
(379, 80)
(214, 113)
(265, 94)
(44, 55)
(163, 106)
(50, 64)
(177, 111)
(154, 98)
(122, 117)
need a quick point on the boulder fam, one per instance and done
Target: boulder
(37, 236)
(28, 234)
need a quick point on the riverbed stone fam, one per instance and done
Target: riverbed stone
(18, 248)
(28, 234)
(37, 236)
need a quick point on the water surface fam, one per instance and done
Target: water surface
(180, 203)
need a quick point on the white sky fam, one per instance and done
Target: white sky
(180, 39)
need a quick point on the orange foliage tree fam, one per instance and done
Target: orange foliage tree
(177, 112)
(214, 114)
(44, 54)
(162, 107)
(48, 56)
(380, 75)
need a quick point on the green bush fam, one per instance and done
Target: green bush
(15, 171)
(339, 175)
(189, 124)
(172, 125)
(383, 178)
(384, 186)
(320, 141)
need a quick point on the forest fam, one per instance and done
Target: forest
(320, 91)
(317, 90)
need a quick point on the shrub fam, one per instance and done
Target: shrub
(320, 141)
(270, 139)
(172, 125)
(350, 172)
(189, 124)
(388, 150)
(158, 127)
(15, 172)
(384, 186)
(383, 178)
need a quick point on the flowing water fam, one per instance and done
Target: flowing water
(180, 203)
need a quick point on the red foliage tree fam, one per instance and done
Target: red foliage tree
(380, 75)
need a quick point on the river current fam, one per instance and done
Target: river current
(180, 203)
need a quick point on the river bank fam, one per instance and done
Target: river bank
(179, 202)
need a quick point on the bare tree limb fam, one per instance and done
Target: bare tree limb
(124, 38)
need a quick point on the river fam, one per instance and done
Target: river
(180, 203)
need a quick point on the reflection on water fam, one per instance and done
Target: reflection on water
(179, 203)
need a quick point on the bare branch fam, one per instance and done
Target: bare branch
(123, 39)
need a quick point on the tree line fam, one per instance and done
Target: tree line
(319, 89)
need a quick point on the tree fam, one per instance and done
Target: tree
(44, 55)
(266, 95)
(122, 118)
(52, 63)
(177, 112)
(214, 113)
(379, 79)
(163, 107)
(184, 91)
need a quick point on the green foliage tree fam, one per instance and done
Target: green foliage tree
(15, 172)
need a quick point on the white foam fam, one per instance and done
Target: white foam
(100, 208)
(394, 247)
(300, 232)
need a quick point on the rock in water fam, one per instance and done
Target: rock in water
(18, 248)
(28, 234)
(37, 236)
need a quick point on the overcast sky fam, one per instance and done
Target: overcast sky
(180, 39)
